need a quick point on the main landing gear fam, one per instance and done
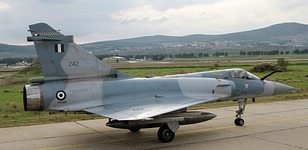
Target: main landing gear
(241, 107)
(166, 132)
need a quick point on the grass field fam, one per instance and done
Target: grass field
(11, 106)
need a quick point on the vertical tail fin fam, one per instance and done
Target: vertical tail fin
(59, 56)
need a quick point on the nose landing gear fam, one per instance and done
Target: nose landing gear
(239, 122)
(241, 105)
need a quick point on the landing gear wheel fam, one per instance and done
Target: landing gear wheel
(165, 134)
(136, 129)
(239, 121)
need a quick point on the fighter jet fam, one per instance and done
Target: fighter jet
(76, 81)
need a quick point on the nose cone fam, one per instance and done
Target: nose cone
(281, 88)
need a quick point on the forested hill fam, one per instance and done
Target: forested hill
(16, 51)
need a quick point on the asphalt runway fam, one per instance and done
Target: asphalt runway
(277, 126)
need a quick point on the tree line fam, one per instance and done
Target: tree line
(297, 51)
(273, 52)
(10, 61)
(180, 55)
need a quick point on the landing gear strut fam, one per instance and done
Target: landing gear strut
(241, 107)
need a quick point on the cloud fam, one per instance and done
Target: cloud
(222, 16)
(4, 6)
(98, 20)
(141, 14)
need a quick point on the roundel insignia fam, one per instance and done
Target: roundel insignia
(61, 95)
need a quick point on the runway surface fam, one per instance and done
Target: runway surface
(277, 126)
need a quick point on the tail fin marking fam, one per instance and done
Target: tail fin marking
(59, 56)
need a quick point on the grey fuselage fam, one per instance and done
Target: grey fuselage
(81, 93)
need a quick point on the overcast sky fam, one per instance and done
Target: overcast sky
(100, 20)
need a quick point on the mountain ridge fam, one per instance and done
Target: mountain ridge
(270, 34)
(283, 34)
(274, 30)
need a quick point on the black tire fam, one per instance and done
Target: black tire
(136, 129)
(165, 134)
(239, 121)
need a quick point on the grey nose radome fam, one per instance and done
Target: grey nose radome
(281, 88)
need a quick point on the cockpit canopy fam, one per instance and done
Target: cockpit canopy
(221, 74)
(241, 74)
